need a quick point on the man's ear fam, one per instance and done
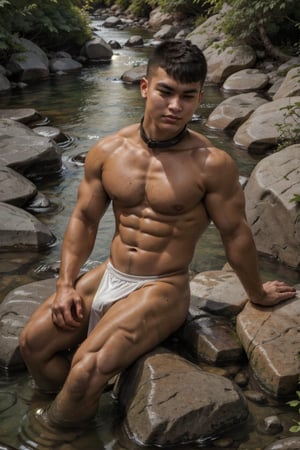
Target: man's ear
(144, 87)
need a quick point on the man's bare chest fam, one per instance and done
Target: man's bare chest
(168, 186)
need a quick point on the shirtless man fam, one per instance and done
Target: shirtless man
(166, 183)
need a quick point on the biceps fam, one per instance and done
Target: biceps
(92, 201)
(227, 211)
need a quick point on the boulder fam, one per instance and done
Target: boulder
(15, 310)
(112, 22)
(271, 339)
(167, 31)
(135, 74)
(30, 64)
(4, 83)
(20, 230)
(261, 131)
(135, 41)
(64, 65)
(271, 211)
(97, 49)
(14, 188)
(22, 150)
(23, 115)
(157, 18)
(167, 400)
(207, 33)
(290, 85)
(246, 80)
(223, 63)
(235, 110)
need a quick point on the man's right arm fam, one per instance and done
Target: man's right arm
(78, 242)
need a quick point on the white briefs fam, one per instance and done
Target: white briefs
(114, 286)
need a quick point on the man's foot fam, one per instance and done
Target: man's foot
(36, 432)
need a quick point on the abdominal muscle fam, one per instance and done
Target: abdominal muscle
(148, 243)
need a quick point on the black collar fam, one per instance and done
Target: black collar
(161, 144)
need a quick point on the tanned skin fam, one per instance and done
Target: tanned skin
(163, 201)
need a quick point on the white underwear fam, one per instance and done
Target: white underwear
(114, 286)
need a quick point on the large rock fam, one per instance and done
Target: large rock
(207, 33)
(15, 310)
(273, 216)
(14, 188)
(234, 111)
(23, 115)
(135, 74)
(20, 230)
(64, 65)
(26, 152)
(4, 83)
(246, 80)
(170, 401)
(271, 339)
(30, 64)
(290, 86)
(97, 49)
(221, 64)
(261, 132)
(157, 18)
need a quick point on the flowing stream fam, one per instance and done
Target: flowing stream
(88, 106)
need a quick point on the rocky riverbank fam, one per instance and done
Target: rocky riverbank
(230, 356)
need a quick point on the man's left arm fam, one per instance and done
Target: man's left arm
(225, 204)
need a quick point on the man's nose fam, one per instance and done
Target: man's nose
(175, 103)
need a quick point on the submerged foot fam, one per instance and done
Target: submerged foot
(37, 432)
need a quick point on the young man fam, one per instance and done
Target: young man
(166, 183)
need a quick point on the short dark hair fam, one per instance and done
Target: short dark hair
(181, 59)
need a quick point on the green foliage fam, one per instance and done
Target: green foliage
(244, 19)
(295, 199)
(51, 23)
(289, 129)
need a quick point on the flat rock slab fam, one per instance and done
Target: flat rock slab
(271, 212)
(14, 188)
(15, 310)
(20, 230)
(23, 115)
(260, 132)
(233, 111)
(27, 153)
(170, 401)
(217, 292)
(271, 339)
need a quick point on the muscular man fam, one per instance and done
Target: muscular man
(166, 183)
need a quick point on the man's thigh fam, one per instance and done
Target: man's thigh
(137, 323)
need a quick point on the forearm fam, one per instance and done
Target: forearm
(77, 246)
(242, 256)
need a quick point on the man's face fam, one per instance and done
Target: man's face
(169, 102)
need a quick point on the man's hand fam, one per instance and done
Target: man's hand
(275, 292)
(67, 312)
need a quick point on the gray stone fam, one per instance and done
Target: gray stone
(20, 230)
(233, 111)
(211, 339)
(261, 132)
(15, 310)
(135, 74)
(135, 41)
(246, 80)
(23, 115)
(27, 153)
(292, 443)
(65, 65)
(222, 63)
(170, 401)
(207, 33)
(27, 67)
(112, 22)
(271, 339)
(14, 188)
(217, 292)
(167, 31)
(271, 213)
(157, 18)
(4, 83)
(290, 86)
(97, 49)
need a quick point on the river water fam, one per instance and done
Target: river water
(88, 106)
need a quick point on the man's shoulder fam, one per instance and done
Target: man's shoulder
(115, 140)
